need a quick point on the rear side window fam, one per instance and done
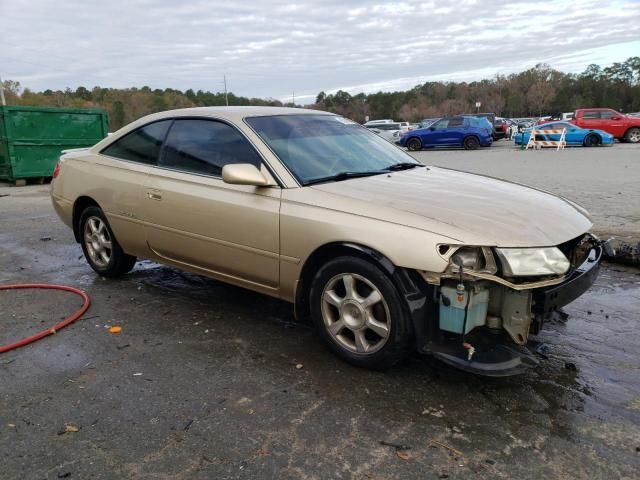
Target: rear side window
(606, 115)
(456, 122)
(142, 145)
(205, 146)
(591, 114)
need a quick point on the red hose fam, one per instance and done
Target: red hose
(49, 331)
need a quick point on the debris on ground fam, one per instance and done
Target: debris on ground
(115, 329)
(45, 239)
(299, 366)
(619, 251)
(69, 428)
(436, 443)
(403, 454)
(397, 446)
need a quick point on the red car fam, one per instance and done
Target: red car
(622, 127)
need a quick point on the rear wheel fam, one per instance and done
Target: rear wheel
(100, 247)
(471, 143)
(592, 140)
(414, 144)
(359, 313)
(632, 135)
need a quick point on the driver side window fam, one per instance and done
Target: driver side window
(205, 146)
(441, 124)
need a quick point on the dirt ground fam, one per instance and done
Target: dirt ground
(202, 382)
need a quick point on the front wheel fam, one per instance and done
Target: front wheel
(632, 135)
(100, 247)
(471, 143)
(359, 313)
(414, 144)
(592, 140)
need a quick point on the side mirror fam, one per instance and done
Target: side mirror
(243, 174)
(615, 117)
(432, 128)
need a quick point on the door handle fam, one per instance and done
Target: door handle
(154, 194)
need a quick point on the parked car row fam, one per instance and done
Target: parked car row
(587, 127)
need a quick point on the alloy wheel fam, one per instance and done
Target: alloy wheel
(98, 241)
(355, 313)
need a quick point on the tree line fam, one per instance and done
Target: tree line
(124, 105)
(534, 92)
(537, 91)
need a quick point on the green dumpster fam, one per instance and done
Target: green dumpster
(31, 138)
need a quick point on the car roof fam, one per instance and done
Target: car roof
(233, 113)
(558, 122)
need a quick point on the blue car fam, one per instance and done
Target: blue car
(574, 135)
(460, 131)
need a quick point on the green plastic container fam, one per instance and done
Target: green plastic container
(32, 138)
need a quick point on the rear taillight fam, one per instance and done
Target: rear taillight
(56, 170)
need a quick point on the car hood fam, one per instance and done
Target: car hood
(469, 208)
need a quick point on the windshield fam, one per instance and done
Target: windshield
(316, 147)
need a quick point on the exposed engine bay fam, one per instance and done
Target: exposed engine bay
(489, 303)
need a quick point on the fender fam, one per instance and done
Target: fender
(419, 297)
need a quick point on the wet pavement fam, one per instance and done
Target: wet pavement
(203, 383)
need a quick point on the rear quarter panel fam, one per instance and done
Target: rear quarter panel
(115, 185)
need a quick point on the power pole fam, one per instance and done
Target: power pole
(226, 97)
(2, 100)
(293, 98)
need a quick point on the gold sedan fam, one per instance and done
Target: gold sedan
(384, 254)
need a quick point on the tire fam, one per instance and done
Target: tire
(471, 143)
(632, 135)
(100, 247)
(414, 144)
(592, 140)
(359, 313)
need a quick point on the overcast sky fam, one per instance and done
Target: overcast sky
(271, 49)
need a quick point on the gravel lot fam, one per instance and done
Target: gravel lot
(202, 382)
(606, 180)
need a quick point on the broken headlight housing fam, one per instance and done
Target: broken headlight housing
(476, 259)
(529, 262)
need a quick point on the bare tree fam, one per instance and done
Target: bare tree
(540, 96)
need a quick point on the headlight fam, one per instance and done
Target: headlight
(525, 262)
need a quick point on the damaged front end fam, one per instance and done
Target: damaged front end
(488, 302)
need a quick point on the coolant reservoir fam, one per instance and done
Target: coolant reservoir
(452, 309)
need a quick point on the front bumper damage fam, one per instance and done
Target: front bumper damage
(496, 352)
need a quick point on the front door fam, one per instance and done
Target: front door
(438, 132)
(195, 219)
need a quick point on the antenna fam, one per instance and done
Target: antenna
(226, 97)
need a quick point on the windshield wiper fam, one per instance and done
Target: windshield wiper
(343, 176)
(403, 166)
